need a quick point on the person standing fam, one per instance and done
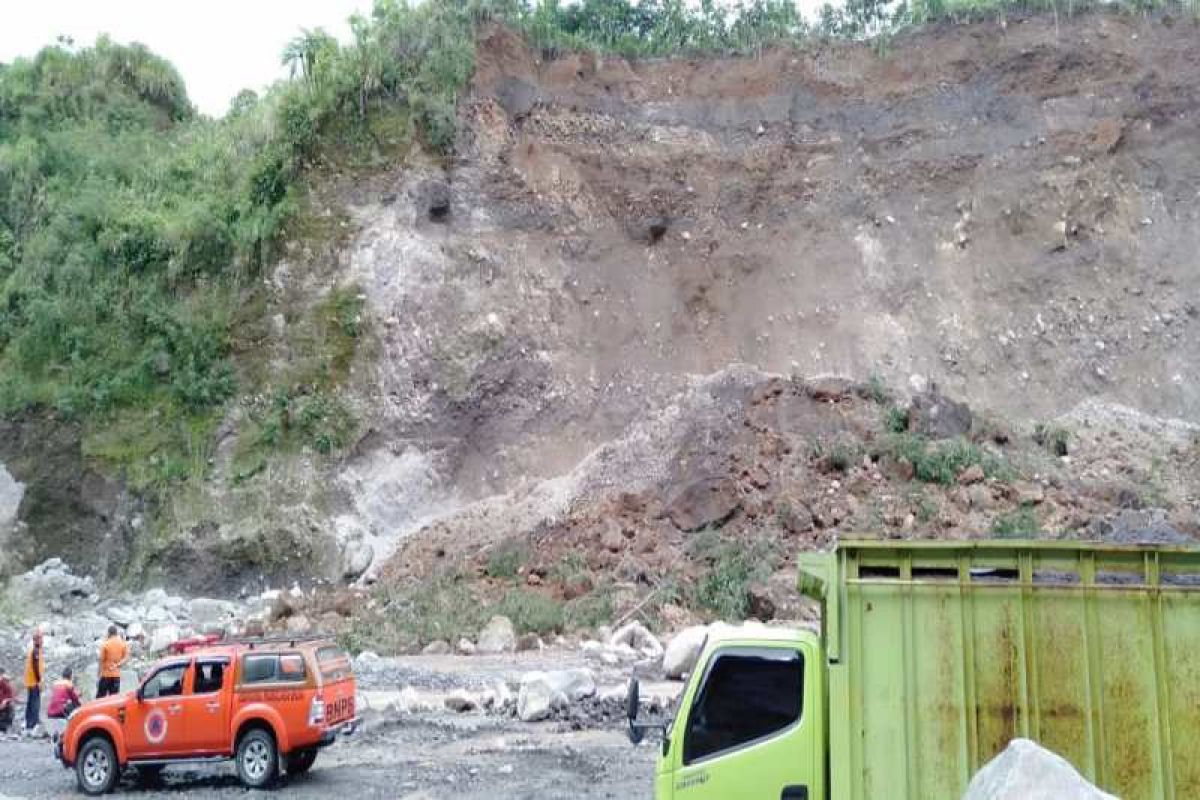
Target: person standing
(35, 670)
(114, 652)
(6, 702)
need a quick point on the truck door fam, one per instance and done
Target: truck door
(745, 731)
(205, 716)
(155, 714)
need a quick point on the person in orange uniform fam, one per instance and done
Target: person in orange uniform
(35, 671)
(114, 652)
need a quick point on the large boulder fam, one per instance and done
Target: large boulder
(1027, 771)
(11, 493)
(682, 651)
(938, 417)
(498, 636)
(708, 502)
(636, 636)
(543, 692)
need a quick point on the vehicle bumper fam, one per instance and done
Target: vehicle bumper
(331, 734)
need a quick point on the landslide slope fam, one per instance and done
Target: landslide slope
(599, 306)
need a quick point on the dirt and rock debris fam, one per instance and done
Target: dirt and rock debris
(655, 328)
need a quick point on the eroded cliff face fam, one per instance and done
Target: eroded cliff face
(581, 303)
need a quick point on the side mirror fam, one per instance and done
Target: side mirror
(632, 701)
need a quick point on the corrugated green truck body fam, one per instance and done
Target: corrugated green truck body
(934, 655)
(940, 653)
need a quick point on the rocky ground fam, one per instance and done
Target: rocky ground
(425, 755)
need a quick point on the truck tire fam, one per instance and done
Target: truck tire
(301, 761)
(96, 767)
(257, 759)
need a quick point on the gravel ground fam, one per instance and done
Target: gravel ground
(425, 756)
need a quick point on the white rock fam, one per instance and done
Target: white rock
(135, 630)
(122, 615)
(156, 597)
(410, 701)
(498, 636)
(465, 647)
(163, 636)
(1027, 771)
(11, 492)
(636, 636)
(157, 614)
(207, 611)
(537, 700)
(543, 692)
(682, 651)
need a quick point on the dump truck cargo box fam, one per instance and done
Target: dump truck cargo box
(939, 653)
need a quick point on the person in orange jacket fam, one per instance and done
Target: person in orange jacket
(114, 653)
(35, 671)
(64, 698)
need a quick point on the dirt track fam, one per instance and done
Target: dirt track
(429, 756)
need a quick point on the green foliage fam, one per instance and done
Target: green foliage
(532, 612)
(1020, 524)
(723, 589)
(506, 559)
(1055, 439)
(838, 454)
(895, 420)
(941, 462)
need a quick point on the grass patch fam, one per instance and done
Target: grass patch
(505, 560)
(942, 461)
(895, 419)
(1055, 439)
(1020, 524)
(723, 589)
(532, 612)
(152, 447)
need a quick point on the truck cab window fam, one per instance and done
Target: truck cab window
(167, 682)
(747, 695)
(209, 677)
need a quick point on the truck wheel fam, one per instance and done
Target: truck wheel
(301, 761)
(96, 767)
(257, 759)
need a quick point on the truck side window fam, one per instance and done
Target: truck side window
(260, 669)
(209, 677)
(747, 695)
(167, 682)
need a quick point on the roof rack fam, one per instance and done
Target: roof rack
(291, 641)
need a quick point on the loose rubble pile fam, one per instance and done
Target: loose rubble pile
(1027, 771)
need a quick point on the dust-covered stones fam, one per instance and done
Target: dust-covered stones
(498, 636)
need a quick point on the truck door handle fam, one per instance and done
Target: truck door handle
(174, 709)
(214, 707)
(794, 793)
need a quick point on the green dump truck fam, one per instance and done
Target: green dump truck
(932, 657)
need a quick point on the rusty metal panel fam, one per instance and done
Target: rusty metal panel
(941, 653)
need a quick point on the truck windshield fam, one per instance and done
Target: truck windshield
(747, 695)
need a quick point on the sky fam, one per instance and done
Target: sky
(219, 46)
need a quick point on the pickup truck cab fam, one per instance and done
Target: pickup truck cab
(263, 703)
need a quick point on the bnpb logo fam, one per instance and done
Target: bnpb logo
(156, 726)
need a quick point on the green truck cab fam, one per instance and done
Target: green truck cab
(932, 656)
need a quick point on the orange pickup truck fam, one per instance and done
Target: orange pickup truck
(263, 703)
